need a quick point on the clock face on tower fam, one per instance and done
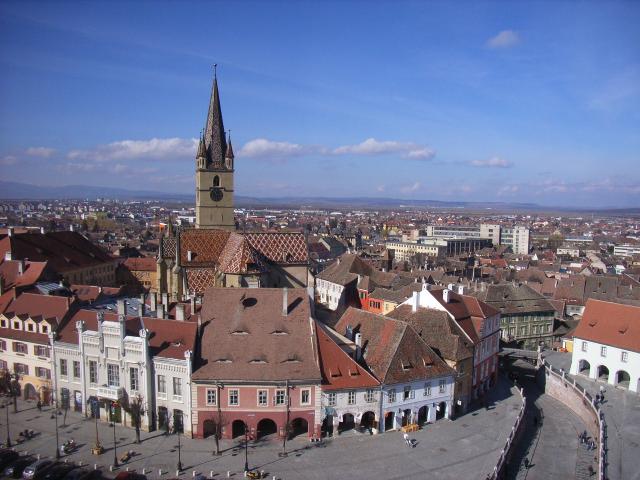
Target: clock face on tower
(216, 194)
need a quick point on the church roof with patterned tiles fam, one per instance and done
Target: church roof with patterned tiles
(200, 279)
(281, 248)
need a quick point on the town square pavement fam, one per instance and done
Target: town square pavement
(468, 447)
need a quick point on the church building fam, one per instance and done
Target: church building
(214, 254)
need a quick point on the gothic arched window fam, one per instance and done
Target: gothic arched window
(216, 181)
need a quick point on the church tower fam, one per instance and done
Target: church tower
(214, 171)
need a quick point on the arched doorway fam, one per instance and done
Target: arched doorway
(163, 416)
(208, 428)
(584, 368)
(406, 417)
(440, 410)
(623, 379)
(266, 426)
(327, 426)
(368, 420)
(45, 395)
(423, 415)
(388, 421)
(94, 407)
(237, 429)
(348, 422)
(30, 392)
(299, 426)
(603, 373)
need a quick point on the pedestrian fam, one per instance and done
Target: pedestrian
(526, 463)
(406, 439)
(39, 406)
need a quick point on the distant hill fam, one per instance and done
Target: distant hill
(24, 191)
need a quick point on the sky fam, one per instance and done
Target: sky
(469, 101)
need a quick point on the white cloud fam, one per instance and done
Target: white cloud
(8, 160)
(263, 148)
(493, 162)
(411, 188)
(43, 152)
(508, 190)
(155, 148)
(380, 188)
(504, 39)
(371, 146)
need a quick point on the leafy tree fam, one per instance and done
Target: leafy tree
(65, 403)
(135, 408)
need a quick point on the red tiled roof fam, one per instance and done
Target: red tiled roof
(51, 308)
(339, 370)
(144, 264)
(24, 336)
(90, 293)
(246, 337)
(9, 271)
(612, 324)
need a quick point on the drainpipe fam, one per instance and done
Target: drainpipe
(83, 388)
(53, 369)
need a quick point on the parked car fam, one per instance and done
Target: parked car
(58, 472)
(37, 469)
(83, 474)
(15, 468)
(6, 457)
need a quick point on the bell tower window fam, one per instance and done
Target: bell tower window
(216, 181)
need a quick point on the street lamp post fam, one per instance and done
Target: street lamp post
(246, 447)
(6, 406)
(55, 415)
(177, 428)
(113, 422)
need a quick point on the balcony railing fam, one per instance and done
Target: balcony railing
(108, 392)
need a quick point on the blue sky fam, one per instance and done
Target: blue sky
(503, 101)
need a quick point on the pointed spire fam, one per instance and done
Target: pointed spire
(229, 148)
(214, 137)
(202, 151)
(170, 231)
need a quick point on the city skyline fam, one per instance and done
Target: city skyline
(511, 103)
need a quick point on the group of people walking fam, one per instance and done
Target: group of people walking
(585, 439)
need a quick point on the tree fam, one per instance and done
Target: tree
(65, 404)
(85, 225)
(220, 421)
(134, 407)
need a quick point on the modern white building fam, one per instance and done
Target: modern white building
(606, 344)
(626, 250)
(517, 238)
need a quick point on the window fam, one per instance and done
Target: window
(63, 367)
(407, 393)
(427, 389)
(624, 357)
(177, 386)
(3, 345)
(21, 368)
(41, 351)
(133, 379)
(211, 396)
(76, 369)
(305, 396)
(234, 397)
(113, 375)
(3, 323)
(279, 397)
(331, 399)
(370, 396)
(603, 351)
(162, 384)
(93, 372)
(16, 325)
(43, 373)
(263, 398)
(442, 386)
(3, 365)
(20, 347)
(30, 327)
(351, 399)
(584, 346)
(391, 395)
(45, 329)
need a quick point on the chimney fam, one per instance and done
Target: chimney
(160, 311)
(41, 230)
(180, 312)
(122, 307)
(153, 301)
(71, 227)
(285, 301)
(20, 267)
(460, 289)
(189, 255)
(141, 309)
(8, 256)
(193, 304)
(142, 298)
(450, 286)
(358, 342)
(445, 295)
(415, 301)
(10, 231)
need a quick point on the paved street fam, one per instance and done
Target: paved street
(622, 414)
(465, 448)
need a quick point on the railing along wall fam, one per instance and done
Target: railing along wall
(587, 400)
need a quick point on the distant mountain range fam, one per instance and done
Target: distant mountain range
(25, 191)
